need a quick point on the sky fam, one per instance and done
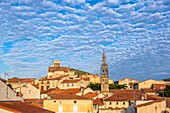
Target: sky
(135, 35)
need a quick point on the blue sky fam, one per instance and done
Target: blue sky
(135, 36)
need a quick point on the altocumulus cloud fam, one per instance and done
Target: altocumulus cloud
(135, 35)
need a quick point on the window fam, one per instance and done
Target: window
(75, 102)
(123, 103)
(68, 85)
(117, 103)
(42, 88)
(54, 101)
(110, 103)
(72, 84)
(48, 87)
(29, 91)
(48, 82)
(40, 102)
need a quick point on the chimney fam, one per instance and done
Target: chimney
(82, 90)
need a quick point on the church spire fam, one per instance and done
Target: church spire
(104, 74)
(104, 66)
(103, 57)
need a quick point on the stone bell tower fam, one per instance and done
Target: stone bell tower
(104, 74)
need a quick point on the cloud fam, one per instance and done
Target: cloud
(135, 36)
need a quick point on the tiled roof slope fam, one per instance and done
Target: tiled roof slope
(35, 102)
(69, 96)
(20, 107)
(52, 69)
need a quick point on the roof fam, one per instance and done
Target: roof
(149, 90)
(22, 80)
(71, 81)
(69, 96)
(52, 69)
(159, 86)
(98, 101)
(154, 97)
(35, 102)
(91, 95)
(168, 102)
(21, 107)
(125, 95)
(86, 79)
(57, 91)
(52, 91)
(56, 78)
(149, 103)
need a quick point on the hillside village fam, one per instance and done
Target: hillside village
(66, 90)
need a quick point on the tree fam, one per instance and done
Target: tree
(95, 86)
(165, 92)
(116, 86)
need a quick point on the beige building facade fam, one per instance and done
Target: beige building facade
(148, 83)
(28, 91)
(6, 93)
(128, 82)
(66, 103)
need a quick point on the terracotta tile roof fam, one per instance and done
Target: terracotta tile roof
(52, 91)
(35, 102)
(57, 91)
(72, 90)
(52, 69)
(71, 81)
(69, 96)
(91, 95)
(168, 102)
(159, 86)
(154, 97)
(98, 101)
(56, 78)
(21, 107)
(86, 79)
(22, 80)
(149, 90)
(122, 95)
(148, 103)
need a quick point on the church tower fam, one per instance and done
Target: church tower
(104, 74)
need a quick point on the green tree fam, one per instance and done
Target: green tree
(166, 92)
(95, 86)
(116, 86)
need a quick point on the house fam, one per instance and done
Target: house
(20, 107)
(155, 106)
(47, 83)
(34, 102)
(94, 95)
(75, 91)
(6, 93)
(68, 103)
(98, 104)
(28, 91)
(56, 70)
(148, 83)
(120, 100)
(94, 78)
(168, 105)
(17, 82)
(128, 82)
(73, 83)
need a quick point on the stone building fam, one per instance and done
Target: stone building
(6, 93)
(104, 75)
(68, 103)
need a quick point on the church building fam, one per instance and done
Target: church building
(104, 74)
